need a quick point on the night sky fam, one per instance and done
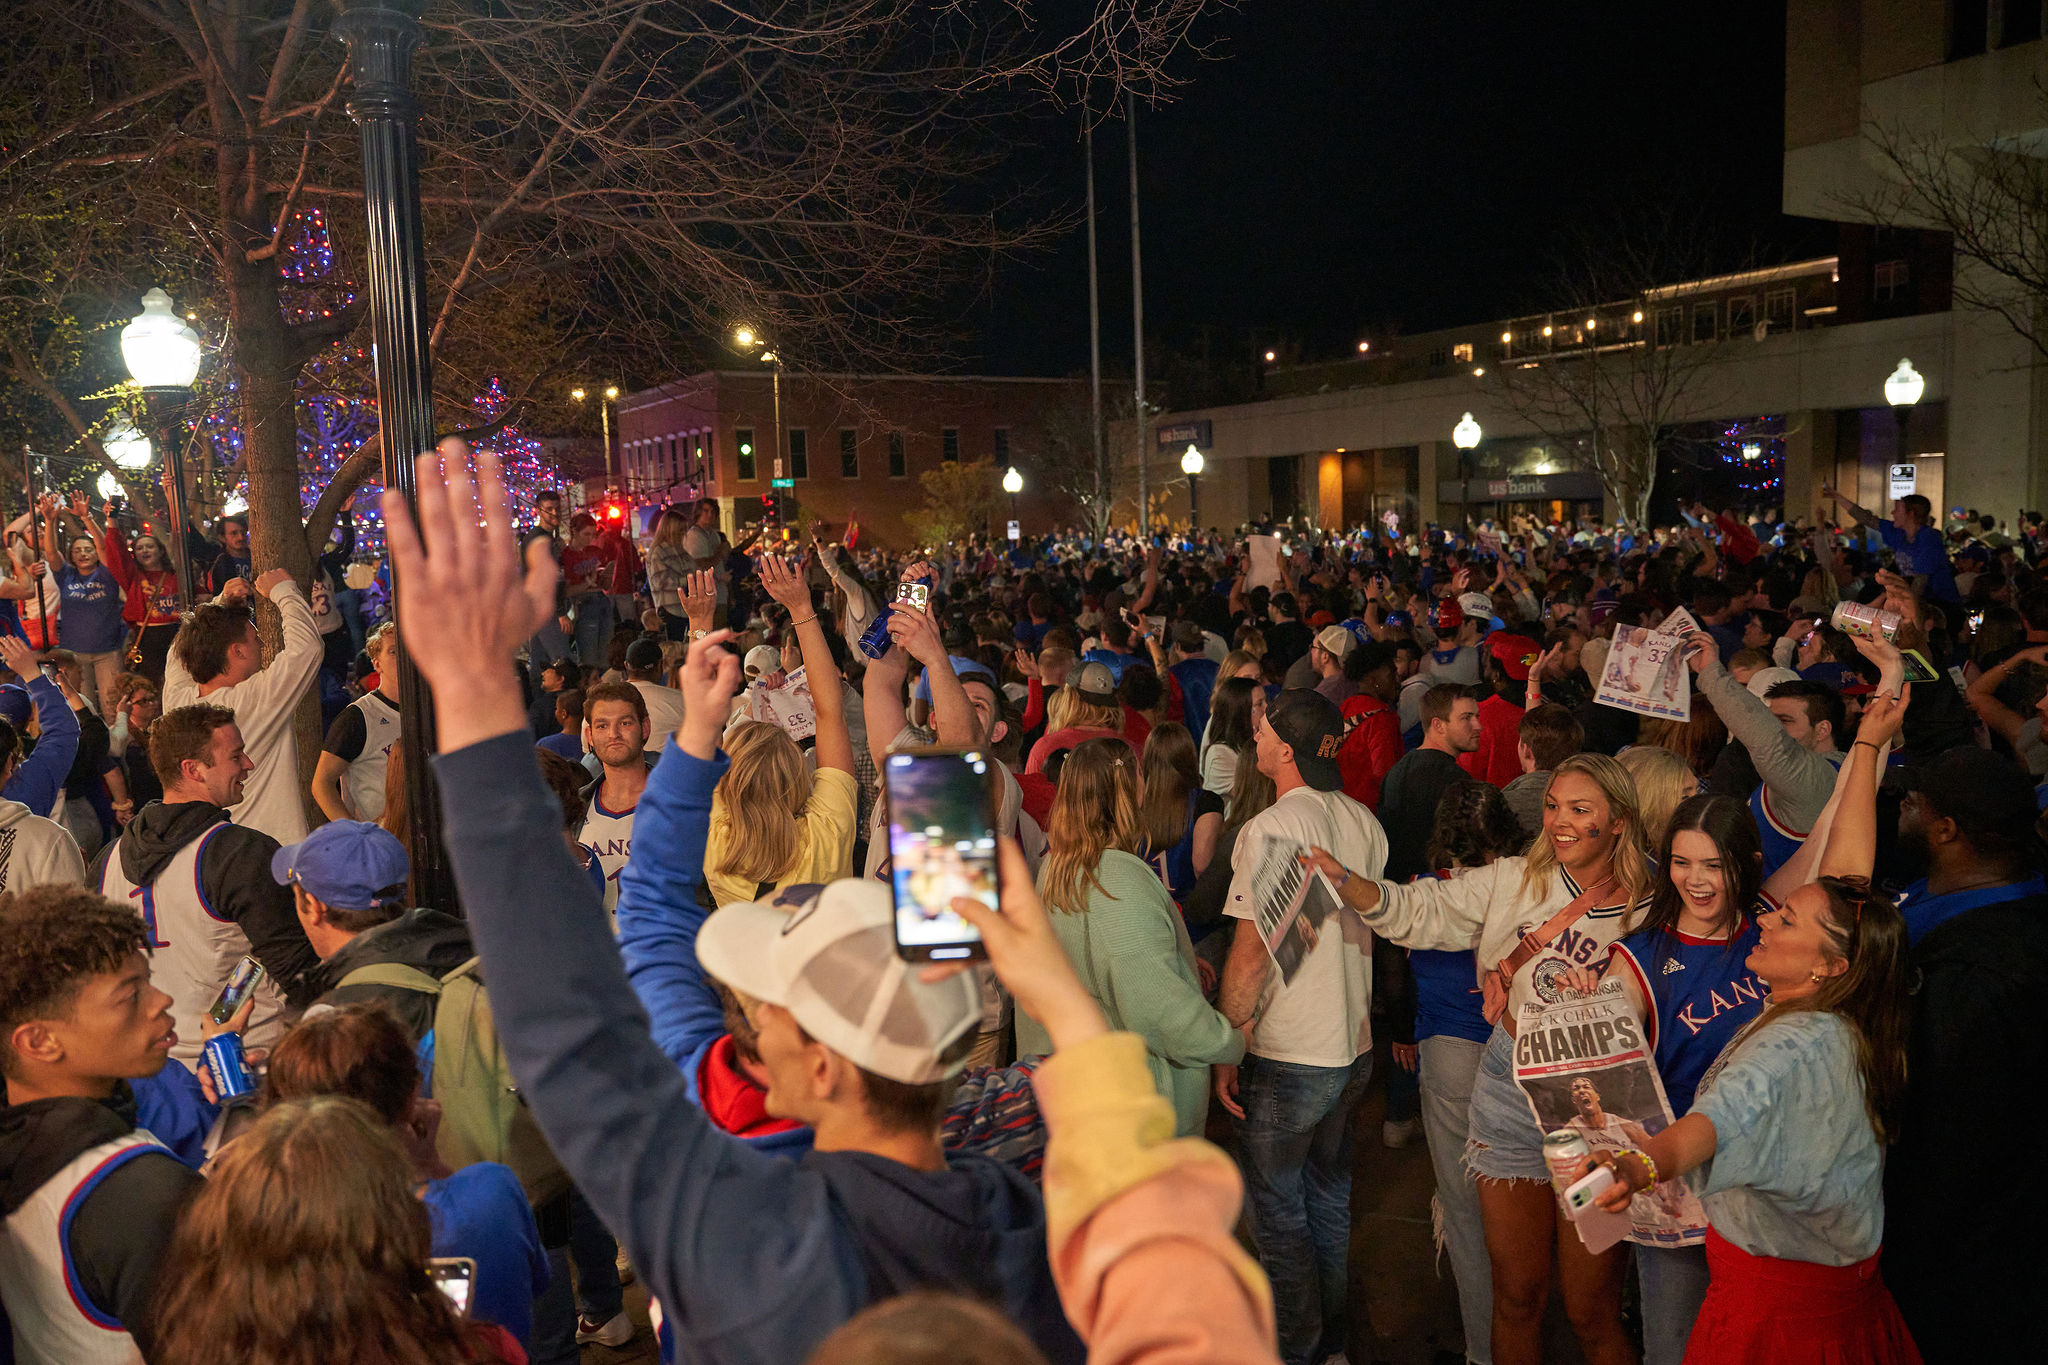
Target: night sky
(1340, 168)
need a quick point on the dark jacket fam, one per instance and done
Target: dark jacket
(119, 1229)
(1971, 1286)
(235, 875)
(1408, 801)
(434, 942)
(756, 1258)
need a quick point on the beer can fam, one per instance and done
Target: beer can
(875, 640)
(1564, 1151)
(1872, 623)
(231, 1078)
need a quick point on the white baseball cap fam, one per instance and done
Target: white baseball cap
(827, 954)
(1477, 606)
(761, 660)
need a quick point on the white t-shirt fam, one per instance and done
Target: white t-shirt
(664, 712)
(1324, 1016)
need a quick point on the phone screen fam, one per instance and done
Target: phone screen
(454, 1276)
(916, 592)
(942, 844)
(240, 982)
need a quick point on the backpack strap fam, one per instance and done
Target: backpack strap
(396, 974)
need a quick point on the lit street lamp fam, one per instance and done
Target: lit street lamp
(746, 339)
(1465, 436)
(604, 411)
(1013, 484)
(1191, 465)
(162, 356)
(1902, 389)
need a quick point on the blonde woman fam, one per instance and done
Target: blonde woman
(669, 566)
(772, 822)
(1590, 858)
(1088, 705)
(1123, 933)
(1663, 784)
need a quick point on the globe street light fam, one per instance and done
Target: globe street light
(604, 413)
(746, 339)
(1465, 436)
(126, 446)
(1902, 389)
(162, 355)
(1191, 465)
(1013, 484)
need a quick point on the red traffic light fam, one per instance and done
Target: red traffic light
(614, 512)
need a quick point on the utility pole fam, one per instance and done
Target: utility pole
(1095, 333)
(1138, 325)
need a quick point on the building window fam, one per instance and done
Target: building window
(1888, 283)
(1742, 316)
(898, 466)
(744, 439)
(1462, 352)
(1439, 358)
(1706, 321)
(1780, 305)
(849, 454)
(1969, 28)
(2019, 23)
(949, 444)
(1670, 323)
(799, 453)
(1003, 446)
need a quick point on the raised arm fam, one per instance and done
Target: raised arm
(1863, 515)
(952, 713)
(1983, 694)
(1443, 913)
(1852, 842)
(785, 583)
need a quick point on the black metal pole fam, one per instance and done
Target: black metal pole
(160, 406)
(381, 36)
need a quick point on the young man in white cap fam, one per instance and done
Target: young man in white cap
(754, 1259)
(1311, 1043)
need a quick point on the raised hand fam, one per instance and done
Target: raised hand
(785, 583)
(699, 595)
(1700, 650)
(15, 653)
(465, 602)
(270, 579)
(235, 590)
(915, 630)
(1026, 665)
(1883, 716)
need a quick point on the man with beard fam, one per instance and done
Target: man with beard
(616, 715)
(1978, 924)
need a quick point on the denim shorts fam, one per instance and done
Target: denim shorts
(1504, 1142)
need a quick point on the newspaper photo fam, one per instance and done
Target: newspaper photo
(1291, 904)
(1585, 1066)
(789, 706)
(1646, 670)
(1263, 569)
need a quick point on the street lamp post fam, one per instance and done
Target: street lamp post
(381, 37)
(746, 338)
(604, 414)
(1191, 465)
(1902, 389)
(162, 355)
(1465, 436)
(1013, 484)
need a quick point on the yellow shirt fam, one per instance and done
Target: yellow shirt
(824, 842)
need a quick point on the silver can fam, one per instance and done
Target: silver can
(1564, 1151)
(1872, 623)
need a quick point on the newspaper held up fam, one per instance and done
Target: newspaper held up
(1263, 570)
(789, 706)
(1646, 671)
(1584, 1064)
(1292, 904)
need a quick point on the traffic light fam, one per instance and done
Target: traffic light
(614, 512)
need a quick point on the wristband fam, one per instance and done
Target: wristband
(1345, 881)
(1865, 744)
(1642, 1156)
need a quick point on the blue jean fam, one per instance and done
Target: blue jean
(1449, 1066)
(1674, 1283)
(1295, 1145)
(594, 623)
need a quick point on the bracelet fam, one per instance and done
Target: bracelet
(1866, 744)
(1642, 1156)
(1346, 881)
(806, 621)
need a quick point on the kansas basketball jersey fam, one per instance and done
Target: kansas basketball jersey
(1780, 838)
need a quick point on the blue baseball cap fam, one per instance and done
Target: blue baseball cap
(348, 864)
(16, 705)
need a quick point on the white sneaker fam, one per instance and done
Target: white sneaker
(617, 1332)
(1399, 1134)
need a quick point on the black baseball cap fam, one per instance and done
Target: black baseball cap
(1990, 797)
(1310, 724)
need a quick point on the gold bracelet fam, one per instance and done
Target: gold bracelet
(806, 621)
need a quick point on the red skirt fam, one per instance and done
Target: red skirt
(1760, 1310)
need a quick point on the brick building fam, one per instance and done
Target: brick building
(852, 446)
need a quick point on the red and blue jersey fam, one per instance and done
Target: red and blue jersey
(1781, 839)
(1701, 994)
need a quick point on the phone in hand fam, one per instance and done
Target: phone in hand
(942, 844)
(914, 591)
(454, 1276)
(246, 976)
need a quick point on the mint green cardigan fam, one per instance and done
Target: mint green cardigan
(1132, 952)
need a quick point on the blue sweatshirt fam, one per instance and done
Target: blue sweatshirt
(755, 1258)
(659, 915)
(41, 775)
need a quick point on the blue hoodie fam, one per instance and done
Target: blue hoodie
(755, 1258)
(41, 775)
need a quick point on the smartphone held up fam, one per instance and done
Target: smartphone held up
(942, 845)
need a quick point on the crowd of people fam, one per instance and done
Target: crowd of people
(1281, 814)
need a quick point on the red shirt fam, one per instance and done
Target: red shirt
(1497, 759)
(1372, 746)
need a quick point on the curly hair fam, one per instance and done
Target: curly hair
(53, 939)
